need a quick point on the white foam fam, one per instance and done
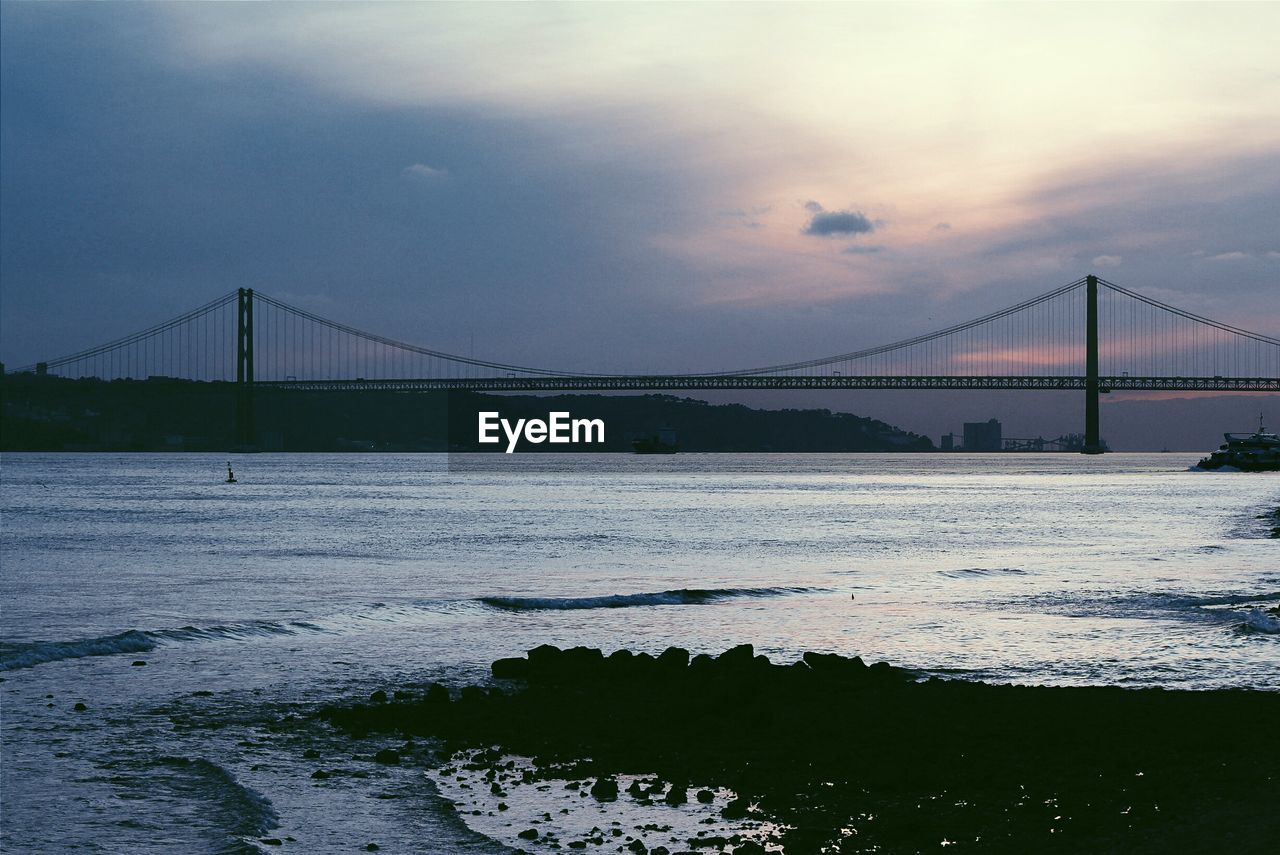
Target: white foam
(29, 655)
(1259, 621)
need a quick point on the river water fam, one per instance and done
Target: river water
(320, 578)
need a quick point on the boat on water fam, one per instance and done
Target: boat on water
(663, 442)
(1255, 452)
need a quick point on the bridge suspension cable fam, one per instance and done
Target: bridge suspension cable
(1188, 315)
(184, 342)
(1036, 343)
(915, 340)
(383, 341)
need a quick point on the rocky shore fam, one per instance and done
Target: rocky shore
(847, 757)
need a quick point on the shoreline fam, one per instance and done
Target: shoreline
(856, 758)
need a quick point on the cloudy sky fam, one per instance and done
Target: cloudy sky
(630, 187)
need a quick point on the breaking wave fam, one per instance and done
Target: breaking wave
(14, 655)
(238, 811)
(1226, 599)
(678, 597)
(969, 572)
(35, 653)
(1258, 620)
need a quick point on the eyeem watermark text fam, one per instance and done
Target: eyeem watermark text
(559, 428)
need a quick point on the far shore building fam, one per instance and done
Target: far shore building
(982, 436)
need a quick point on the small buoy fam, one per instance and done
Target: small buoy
(231, 476)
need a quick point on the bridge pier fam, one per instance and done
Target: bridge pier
(1092, 438)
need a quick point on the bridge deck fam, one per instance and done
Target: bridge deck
(675, 382)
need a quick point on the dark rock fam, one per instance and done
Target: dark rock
(79, 707)
(513, 668)
(378, 697)
(320, 775)
(271, 841)
(528, 834)
(310, 754)
(998, 752)
(675, 658)
(371, 847)
(822, 662)
(605, 789)
(638, 847)
(543, 655)
(583, 660)
(736, 808)
(551, 665)
(436, 694)
(885, 673)
(388, 757)
(737, 657)
(139, 662)
(835, 666)
(706, 796)
(701, 665)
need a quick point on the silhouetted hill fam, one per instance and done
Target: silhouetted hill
(56, 414)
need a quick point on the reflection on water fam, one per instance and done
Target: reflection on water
(321, 576)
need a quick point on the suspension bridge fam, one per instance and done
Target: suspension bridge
(1091, 335)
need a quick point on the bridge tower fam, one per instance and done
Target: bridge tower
(1092, 441)
(244, 367)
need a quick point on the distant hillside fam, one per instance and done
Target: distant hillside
(56, 414)
(699, 426)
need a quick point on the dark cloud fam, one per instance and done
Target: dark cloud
(828, 223)
(133, 209)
